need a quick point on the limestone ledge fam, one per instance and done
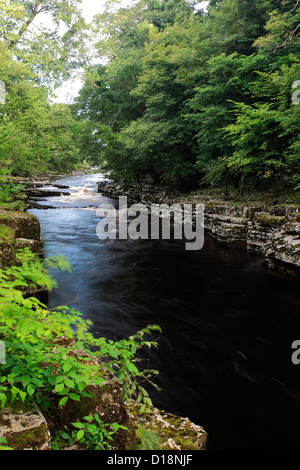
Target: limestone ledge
(271, 231)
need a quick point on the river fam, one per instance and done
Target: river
(224, 357)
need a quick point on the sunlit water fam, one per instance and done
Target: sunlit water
(224, 357)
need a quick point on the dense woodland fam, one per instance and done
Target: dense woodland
(199, 97)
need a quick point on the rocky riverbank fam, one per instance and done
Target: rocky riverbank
(271, 230)
(33, 429)
(19, 229)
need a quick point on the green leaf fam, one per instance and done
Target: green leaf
(22, 395)
(74, 396)
(63, 401)
(3, 399)
(88, 418)
(142, 409)
(31, 389)
(80, 434)
(132, 368)
(79, 425)
(67, 367)
(59, 387)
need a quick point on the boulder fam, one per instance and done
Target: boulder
(172, 432)
(25, 225)
(284, 248)
(18, 230)
(25, 430)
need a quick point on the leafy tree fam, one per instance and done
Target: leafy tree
(44, 347)
(35, 135)
(159, 143)
(118, 108)
(283, 30)
(200, 97)
(266, 135)
(62, 42)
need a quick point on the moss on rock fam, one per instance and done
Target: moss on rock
(7, 246)
(25, 225)
(17, 231)
(24, 430)
(269, 220)
(173, 432)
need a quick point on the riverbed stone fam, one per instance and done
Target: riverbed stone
(25, 430)
(40, 193)
(266, 227)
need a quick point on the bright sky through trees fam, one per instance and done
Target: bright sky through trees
(70, 89)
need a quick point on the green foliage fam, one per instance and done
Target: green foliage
(202, 97)
(128, 372)
(10, 191)
(35, 135)
(23, 38)
(256, 136)
(44, 347)
(265, 135)
(136, 96)
(148, 439)
(3, 445)
(92, 434)
(179, 94)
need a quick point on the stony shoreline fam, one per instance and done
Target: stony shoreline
(269, 230)
(30, 429)
(19, 229)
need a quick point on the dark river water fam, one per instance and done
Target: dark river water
(224, 357)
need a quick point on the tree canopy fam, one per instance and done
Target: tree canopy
(35, 134)
(194, 96)
(175, 92)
